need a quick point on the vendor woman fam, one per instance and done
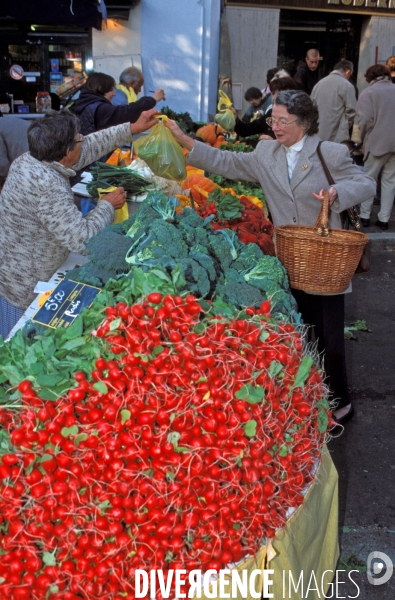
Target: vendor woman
(290, 172)
(39, 222)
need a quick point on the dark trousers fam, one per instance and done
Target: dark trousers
(326, 315)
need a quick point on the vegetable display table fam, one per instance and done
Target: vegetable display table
(308, 543)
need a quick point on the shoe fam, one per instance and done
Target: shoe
(383, 226)
(365, 222)
(345, 418)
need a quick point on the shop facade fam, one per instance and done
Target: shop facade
(269, 33)
(47, 47)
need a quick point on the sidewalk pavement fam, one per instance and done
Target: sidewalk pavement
(380, 240)
(365, 453)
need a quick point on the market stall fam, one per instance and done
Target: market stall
(178, 423)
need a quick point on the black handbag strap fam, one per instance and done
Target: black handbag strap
(352, 213)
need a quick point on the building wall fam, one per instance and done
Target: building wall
(179, 47)
(118, 45)
(175, 42)
(377, 32)
(254, 42)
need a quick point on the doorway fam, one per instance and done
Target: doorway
(335, 36)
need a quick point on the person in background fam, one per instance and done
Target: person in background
(260, 125)
(131, 80)
(260, 104)
(375, 109)
(269, 76)
(290, 172)
(39, 222)
(307, 75)
(391, 65)
(335, 98)
(13, 142)
(95, 110)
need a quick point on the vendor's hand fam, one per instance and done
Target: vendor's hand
(145, 121)
(159, 95)
(182, 138)
(266, 137)
(332, 195)
(116, 198)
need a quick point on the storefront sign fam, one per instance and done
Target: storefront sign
(65, 304)
(16, 72)
(368, 7)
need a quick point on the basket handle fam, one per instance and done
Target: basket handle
(322, 222)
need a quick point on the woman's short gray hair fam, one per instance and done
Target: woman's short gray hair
(51, 137)
(298, 103)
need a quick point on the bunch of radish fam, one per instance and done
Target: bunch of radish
(184, 451)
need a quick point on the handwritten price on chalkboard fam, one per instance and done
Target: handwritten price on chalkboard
(54, 301)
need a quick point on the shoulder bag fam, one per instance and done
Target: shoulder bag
(350, 218)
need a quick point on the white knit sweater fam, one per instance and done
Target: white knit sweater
(39, 222)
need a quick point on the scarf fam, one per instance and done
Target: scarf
(129, 92)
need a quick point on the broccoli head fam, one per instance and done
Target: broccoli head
(284, 304)
(107, 250)
(207, 262)
(232, 276)
(267, 267)
(162, 239)
(248, 256)
(221, 246)
(196, 277)
(91, 275)
(239, 295)
(189, 217)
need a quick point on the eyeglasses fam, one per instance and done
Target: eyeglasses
(270, 121)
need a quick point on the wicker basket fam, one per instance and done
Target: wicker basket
(318, 259)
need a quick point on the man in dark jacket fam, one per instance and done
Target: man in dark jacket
(95, 110)
(307, 74)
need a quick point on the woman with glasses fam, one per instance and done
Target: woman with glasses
(39, 222)
(292, 177)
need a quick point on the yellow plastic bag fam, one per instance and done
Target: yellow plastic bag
(224, 116)
(161, 152)
(121, 214)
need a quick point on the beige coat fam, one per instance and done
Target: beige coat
(337, 103)
(291, 202)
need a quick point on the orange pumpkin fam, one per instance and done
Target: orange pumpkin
(207, 133)
(198, 180)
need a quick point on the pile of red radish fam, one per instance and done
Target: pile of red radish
(183, 452)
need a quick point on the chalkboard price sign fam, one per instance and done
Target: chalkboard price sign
(65, 304)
